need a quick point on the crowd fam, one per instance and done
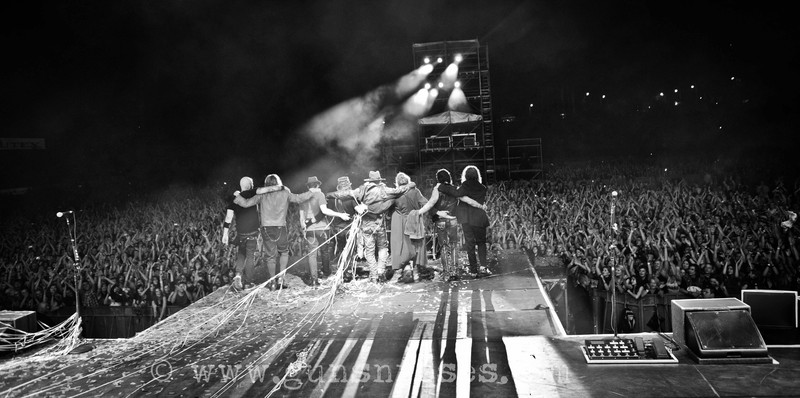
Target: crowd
(709, 236)
(154, 251)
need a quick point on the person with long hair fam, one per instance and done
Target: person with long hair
(473, 220)
(446, 224)
(406, 252)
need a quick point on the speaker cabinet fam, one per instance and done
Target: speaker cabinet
(772, 308)
(21, 320)
(776, 315)
(681, 307)
(721, 331)
(724, 335)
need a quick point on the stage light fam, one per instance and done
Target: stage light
(457, 84)
(439, 60)
(449, 76)
(440, 85)
(425, 70)
(427, 86)
(661, 94)
(426, 60)
(676, 103)
(587, 93)
(692, 86)
(676, 90)
(418, 104)
(459, 58)
(457, 100)
(603, 96)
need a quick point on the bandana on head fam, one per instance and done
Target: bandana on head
(246, 183)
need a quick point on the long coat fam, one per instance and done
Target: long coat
(402, 247)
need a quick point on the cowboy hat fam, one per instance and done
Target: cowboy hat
(374, 176)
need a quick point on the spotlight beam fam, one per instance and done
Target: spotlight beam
(352, 124)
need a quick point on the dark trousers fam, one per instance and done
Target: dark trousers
(245, 257)
(447, 239)
(337, 245)
(318, 249)
(474, 236)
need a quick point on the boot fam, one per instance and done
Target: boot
(407, 275)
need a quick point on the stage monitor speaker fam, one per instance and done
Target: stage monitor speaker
(772, 309)
(20, 320)
(723, 334)
(682, 307)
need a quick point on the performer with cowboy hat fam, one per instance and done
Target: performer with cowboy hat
(375, 199)
(338, 226)
(315, 225)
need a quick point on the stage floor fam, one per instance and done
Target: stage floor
(493, 337)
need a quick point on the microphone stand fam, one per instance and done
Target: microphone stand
(613, 268)
(77, 264)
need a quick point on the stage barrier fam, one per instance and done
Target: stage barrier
(651, 313)
(110, 322)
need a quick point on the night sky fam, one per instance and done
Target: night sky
(164, 91)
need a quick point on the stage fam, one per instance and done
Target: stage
(492, 337)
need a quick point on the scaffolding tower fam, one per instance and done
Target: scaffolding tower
(451, 146)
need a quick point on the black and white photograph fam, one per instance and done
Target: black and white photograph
(342, 198)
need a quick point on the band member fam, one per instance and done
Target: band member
(375, 200)
(246, 239)
(444, 218)
(406, 252)
(274, 200)
(339, 226)
(315, 225)
(473, 220)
